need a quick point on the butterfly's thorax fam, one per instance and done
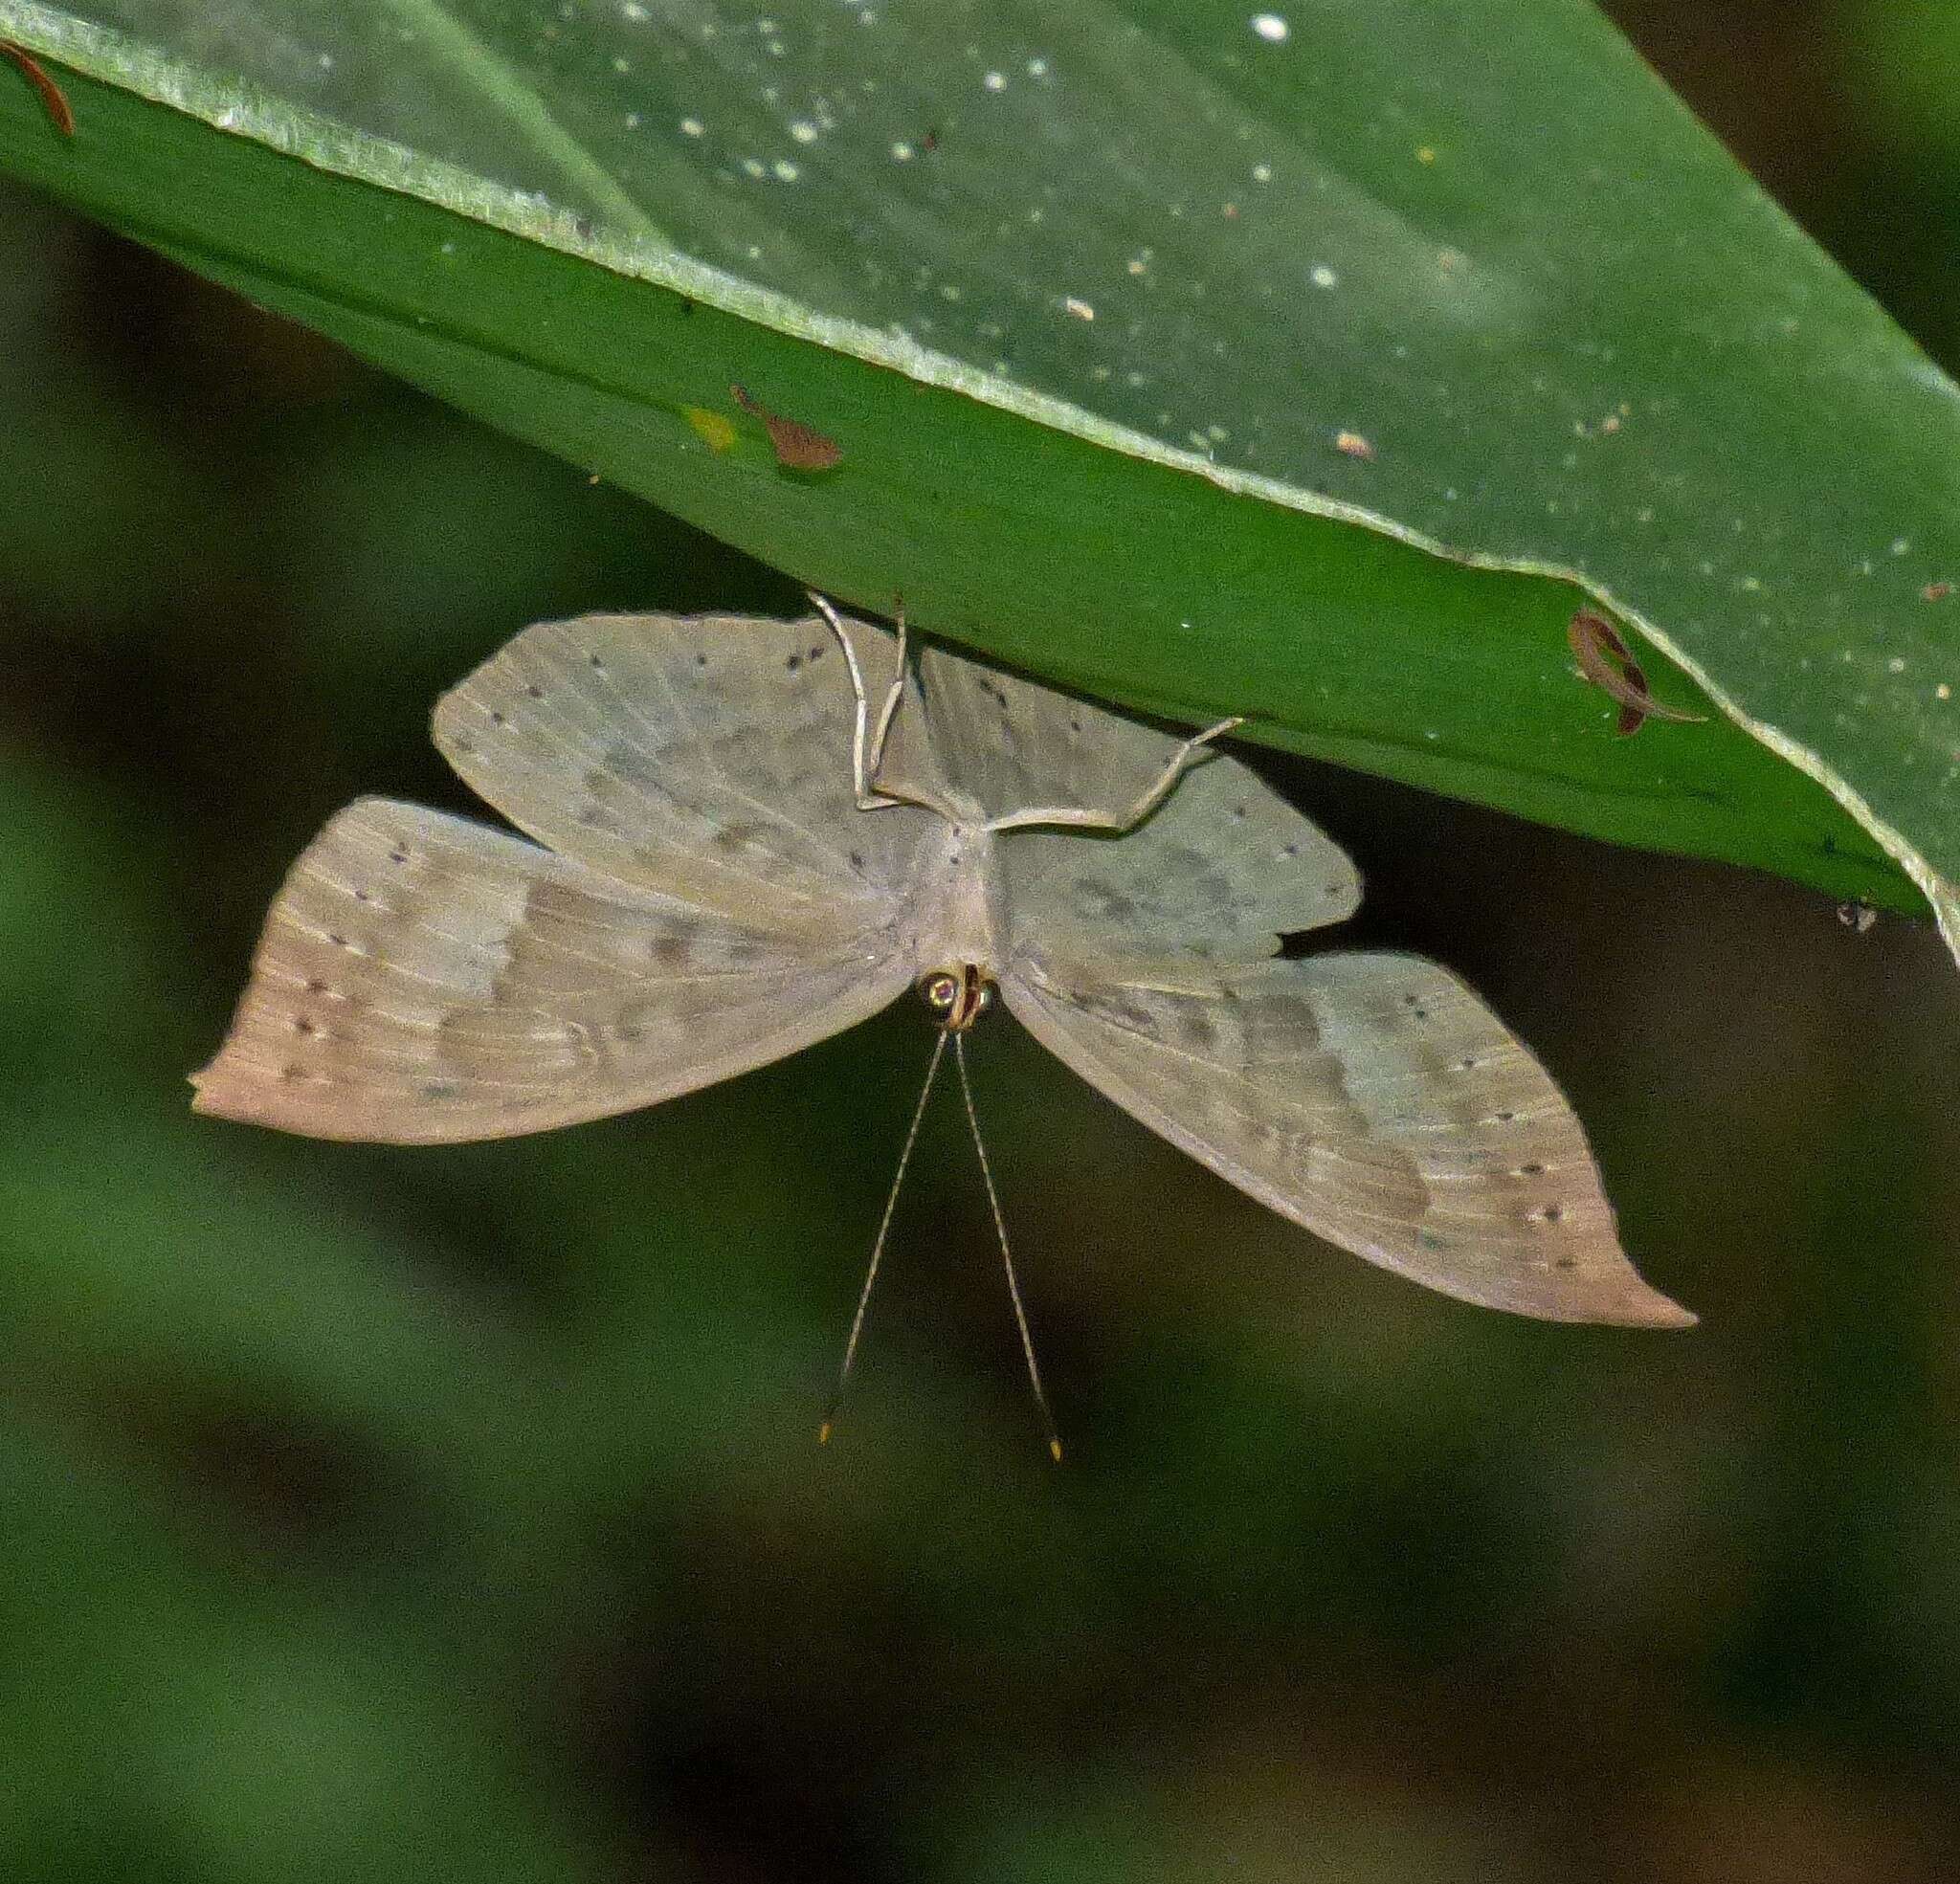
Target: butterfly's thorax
(958, 915)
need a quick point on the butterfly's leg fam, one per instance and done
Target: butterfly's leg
(861, 767)
(1086, 818)
(867, 751)
(889, 711)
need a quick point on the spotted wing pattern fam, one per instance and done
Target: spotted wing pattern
(1222, 870)
(706, 756)
(1010, 744)
(1371, 1099)
(425, 979)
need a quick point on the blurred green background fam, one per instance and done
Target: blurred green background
(457, 1514)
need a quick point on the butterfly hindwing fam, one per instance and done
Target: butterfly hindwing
(423, 979)
(1371, 1099)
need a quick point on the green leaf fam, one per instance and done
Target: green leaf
(1305, 365)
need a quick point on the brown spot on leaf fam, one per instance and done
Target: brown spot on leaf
(798, 446)
(52, 97)
(1605, 661)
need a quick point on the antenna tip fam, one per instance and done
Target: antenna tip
(1055, 1451)
(823, 1433)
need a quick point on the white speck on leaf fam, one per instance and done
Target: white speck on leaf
(1272, 27)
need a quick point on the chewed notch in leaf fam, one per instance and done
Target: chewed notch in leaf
(1605, 661)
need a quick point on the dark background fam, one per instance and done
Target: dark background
(457, 1514)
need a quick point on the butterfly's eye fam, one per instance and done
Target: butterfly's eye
(940, 992)
(984, 998)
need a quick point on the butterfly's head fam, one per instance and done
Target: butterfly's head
(957, 996)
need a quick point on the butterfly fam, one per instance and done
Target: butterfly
(728, 856)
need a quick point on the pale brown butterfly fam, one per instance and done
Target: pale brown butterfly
(735, 861)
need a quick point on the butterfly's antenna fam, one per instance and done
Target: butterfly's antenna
(891, 1204)
(1013, 1288)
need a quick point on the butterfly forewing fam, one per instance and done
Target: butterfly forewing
(1011, 746)
(1371, 1099)
(706, 756)
(1222, 870)
(425, 979)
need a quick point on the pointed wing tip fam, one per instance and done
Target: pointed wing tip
(1645, 1308)
(215, 1095)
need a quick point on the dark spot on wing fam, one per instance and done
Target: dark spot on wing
(1195, 1030)
(1098, 901)
(793, 662)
